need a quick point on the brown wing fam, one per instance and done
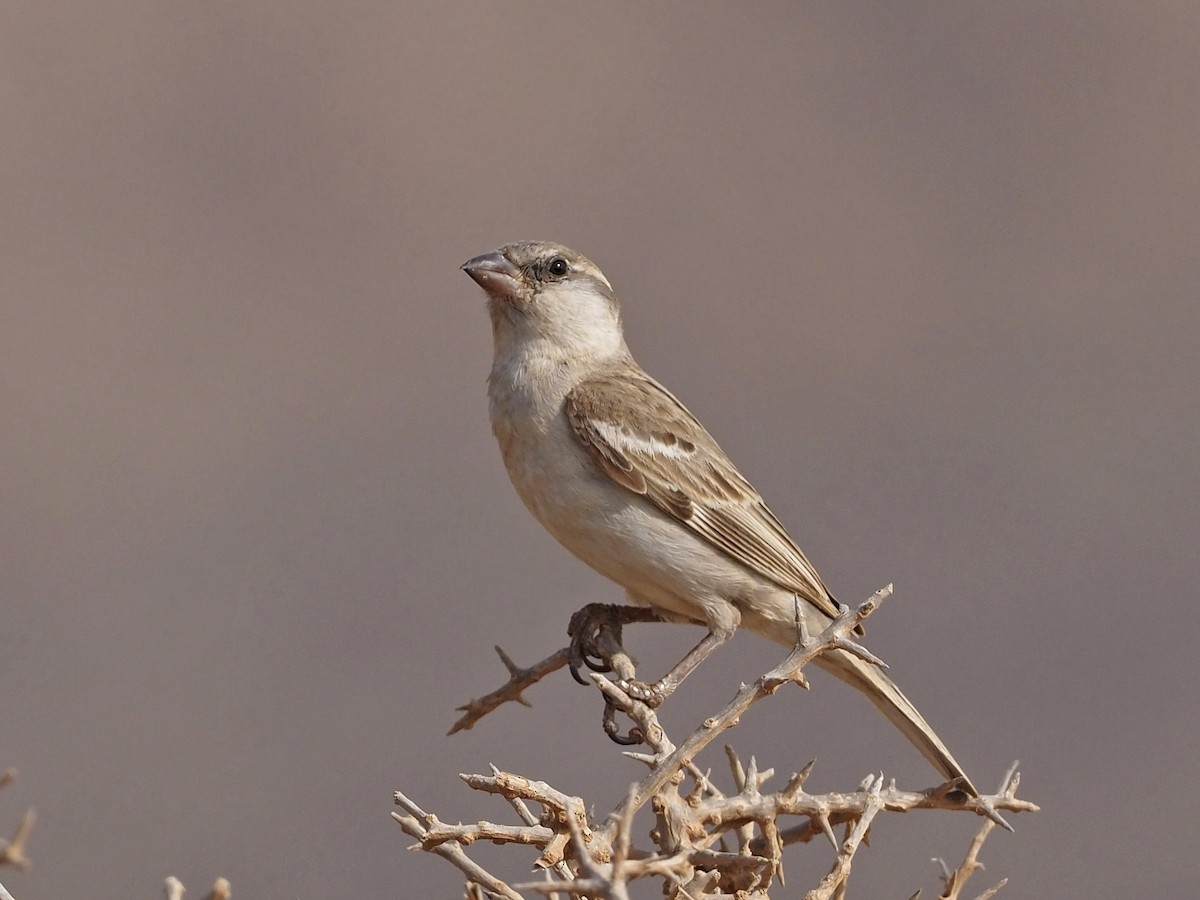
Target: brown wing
(649, 443)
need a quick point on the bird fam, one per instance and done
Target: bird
(621, 474)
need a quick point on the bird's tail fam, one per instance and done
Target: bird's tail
(890, 700)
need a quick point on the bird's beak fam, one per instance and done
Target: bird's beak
(495, 274)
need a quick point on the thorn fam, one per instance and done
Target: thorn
(823, 820)
(860, 651)
(996, 817)
(751, 778)
(512, 667)
(795, 784)
(649, 759)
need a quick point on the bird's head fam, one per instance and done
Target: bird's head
(547, 296)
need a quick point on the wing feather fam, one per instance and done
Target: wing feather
(648, 442)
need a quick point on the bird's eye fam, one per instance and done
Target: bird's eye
(558, 267)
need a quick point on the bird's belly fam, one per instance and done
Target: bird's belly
(663, 564)
(657, 559)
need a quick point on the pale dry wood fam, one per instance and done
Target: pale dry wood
(466, 835)
(526, 815)
(559, 809)
(693, 818)
(954, 882)
(680, 866)
(418, 823)
(833, 884)
(745, 833)
(836, 634)
(13, 853)
(838, 807)
(512, 690)
(609, 879)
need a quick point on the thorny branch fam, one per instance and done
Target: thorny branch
(512, 690)
(832, 884)
(954, 882)
(696, 824)
(12, 853)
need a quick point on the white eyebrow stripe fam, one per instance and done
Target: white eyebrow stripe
(638, 443)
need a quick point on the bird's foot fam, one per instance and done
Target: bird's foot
(595, 633)
(586, 630)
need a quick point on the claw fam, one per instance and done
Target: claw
(573, 665)
(599, 665)
(595, 632)
(583, 654)
(635, 735)
(584, 631)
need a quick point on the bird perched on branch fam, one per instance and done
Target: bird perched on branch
(623, 476)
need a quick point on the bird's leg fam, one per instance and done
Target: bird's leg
(595, 633)
(596, 642)
(654, 694)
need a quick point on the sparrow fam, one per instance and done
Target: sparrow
(628, 480)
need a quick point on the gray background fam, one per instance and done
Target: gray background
(929, 273)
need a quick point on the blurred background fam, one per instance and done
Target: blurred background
(928, 272)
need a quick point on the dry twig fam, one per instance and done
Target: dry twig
(518, 680)
(954, 882)
(693, 819)
(418, 824)
(12, 853)
(832, 885)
